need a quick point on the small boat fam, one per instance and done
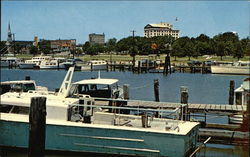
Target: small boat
(55, 63)
(77, 124)
(237, 68)
(241, 97)
(33, 62)
(9, 61)
(95, 65)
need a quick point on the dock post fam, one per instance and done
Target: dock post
(184, 100)
(126, 91)
(231, 93)
(57, 64)
(91, 67)
(37, 127)
(156, 90)
(107, 66)
(139, 67)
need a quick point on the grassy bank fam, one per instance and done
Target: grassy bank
(139, 57)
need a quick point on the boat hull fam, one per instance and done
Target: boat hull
(27, 65)
(94, 67)
(238, 70)
(100, 140)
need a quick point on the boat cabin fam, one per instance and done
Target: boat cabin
(242, 93)
(20, 86)
(99, 87)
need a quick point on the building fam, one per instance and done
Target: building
(161, 29)
(63, 45)
(96, 38)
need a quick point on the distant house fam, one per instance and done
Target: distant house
(96, 38)
(62, 45)
(161, 29)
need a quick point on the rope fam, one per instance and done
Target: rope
(6, 50)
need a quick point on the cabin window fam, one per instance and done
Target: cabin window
(27, 87)
(238, 96)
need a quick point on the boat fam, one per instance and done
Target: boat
(9, 62)
(20, 86)
(241, 98)
(238, 68)
(95, 65)
(33, 62)
(55, 63)
(76, 124)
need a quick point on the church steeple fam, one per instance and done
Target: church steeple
(9, 38)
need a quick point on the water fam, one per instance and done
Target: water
(202, 88)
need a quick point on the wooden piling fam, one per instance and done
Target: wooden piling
(57, 64)
(139, 67)
(231, 93)
(156, 90)
(184, 100)
(126, 91)
(37, 127)
(91, 67)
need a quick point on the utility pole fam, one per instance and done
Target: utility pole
(133, 53)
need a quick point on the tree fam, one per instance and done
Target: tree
(238, 53)
(33, 50)
(111, 44)
(44, 46)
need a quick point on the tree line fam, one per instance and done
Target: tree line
(224, 44)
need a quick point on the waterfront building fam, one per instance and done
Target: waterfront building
(161, 29)
(63, 45)
(96, 38)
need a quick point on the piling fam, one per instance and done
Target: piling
(184, 100)
(156, 90)
(37, 127)
(139, 67)
(231, 93)
(126, 91)
(91, 67)
(57, 64)
(27, 77)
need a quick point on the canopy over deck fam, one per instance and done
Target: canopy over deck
(98, 81)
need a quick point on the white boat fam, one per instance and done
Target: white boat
(95, 65)
(239, 68)
(241, 98)
(56, 63)
(34, 61)
(9, 61)
(76, 124)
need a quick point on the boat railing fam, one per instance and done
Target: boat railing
(121, 115)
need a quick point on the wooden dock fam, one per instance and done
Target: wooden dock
(191, 107)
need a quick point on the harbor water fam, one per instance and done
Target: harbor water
(202, 88)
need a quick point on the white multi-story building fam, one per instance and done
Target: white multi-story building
(161, 29)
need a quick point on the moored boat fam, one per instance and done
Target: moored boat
(95, 65)
(75, 123)
(238, 68)
(241, 97)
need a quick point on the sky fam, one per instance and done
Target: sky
(116, 19)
